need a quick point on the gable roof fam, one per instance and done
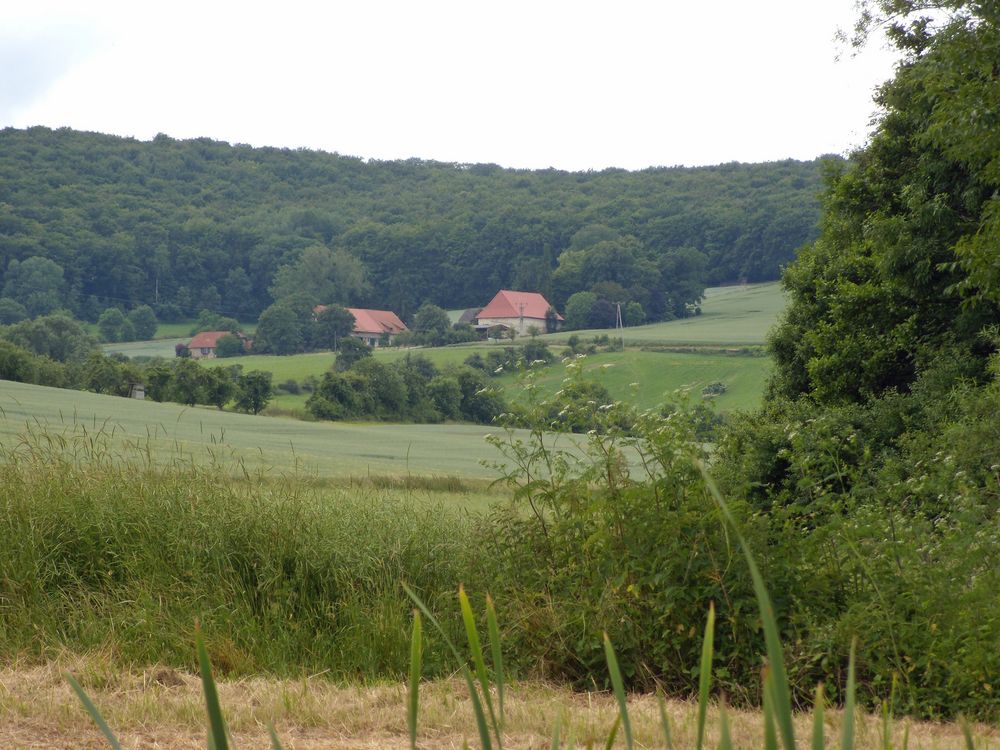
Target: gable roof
(376, 321)
(468, 316)
(510, 304)
(207, 339)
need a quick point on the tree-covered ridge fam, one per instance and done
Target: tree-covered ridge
(205, 225)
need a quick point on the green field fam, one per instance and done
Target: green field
(279, 445)
(731, 316)
(647, 379)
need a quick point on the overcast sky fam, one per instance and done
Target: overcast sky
(572, 85)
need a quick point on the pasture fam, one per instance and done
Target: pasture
(648, 379)
(172, 432)
(731, 316)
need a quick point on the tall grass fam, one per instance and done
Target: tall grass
(483, 686)
(285, 576)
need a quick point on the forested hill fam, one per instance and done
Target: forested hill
(203, 224)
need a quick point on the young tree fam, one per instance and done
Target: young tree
(351, 351)
(432, 323)
(253, 391)
(143, 321)
(279, 331)
(187, 383)
(218, 386)
(322, 275)
(57, 336)
(114, 326)
(332, 326)
(229, 345)
(578, 308)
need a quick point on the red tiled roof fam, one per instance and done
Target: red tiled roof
(376, 321)
(508, 304)
(207, 339)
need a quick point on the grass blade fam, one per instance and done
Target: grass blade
(416, 662)
(770, 734)
(275, 742)
(775, 654)
(725, 738)
(817, 734)
(705, 678)
(967, 733)
(477, 705)
(665, 722)
(476, 648)
(498, 675)
(556, 733)
(216, 724)
(614, 733)
(94, 713)
(619, 687)
(847, 737)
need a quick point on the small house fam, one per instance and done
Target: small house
(204, 344)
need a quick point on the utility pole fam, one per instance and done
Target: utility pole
(619, 324)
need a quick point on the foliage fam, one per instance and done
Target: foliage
(11, 311)
(212, 321)
(56, 336)
(323, 276)
(201, 224)
(578, 309)
(37, 283)
(253, 391)
(144, 322)
(229, 345)
(280, 330)
(114, 326)
(350, 352)
(333, 325)
(22, 366)
(411, 390)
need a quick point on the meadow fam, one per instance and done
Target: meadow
(731, 316)
(170, 432)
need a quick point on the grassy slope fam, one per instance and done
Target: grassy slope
(328, 449)
(647, 379)
(731, 316)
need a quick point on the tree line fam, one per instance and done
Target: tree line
(90, 221)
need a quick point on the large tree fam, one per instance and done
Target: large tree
(904, 271)
(324, 276)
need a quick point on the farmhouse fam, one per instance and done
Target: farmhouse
(518, 311)
(203, 345)
(372, 326)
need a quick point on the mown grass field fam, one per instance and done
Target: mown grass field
(279, 445)
(731, 316)
(648, 379)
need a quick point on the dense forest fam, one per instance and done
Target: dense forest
(89, 221)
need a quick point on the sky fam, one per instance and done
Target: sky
(571, 85)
